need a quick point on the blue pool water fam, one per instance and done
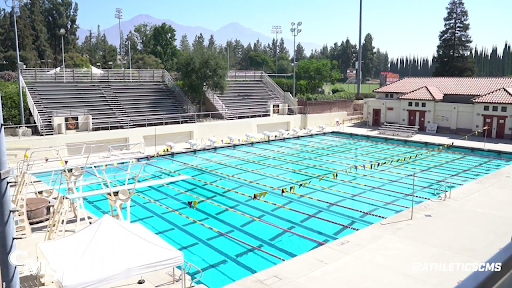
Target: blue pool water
(225, 179)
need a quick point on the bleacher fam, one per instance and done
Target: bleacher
(398, 130)
(113, 105)
(247, 98)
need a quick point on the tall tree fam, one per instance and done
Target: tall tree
(184, 44)
(202, 67)
(301, 55)
(368, 57)
(454, 43)
(161, 45)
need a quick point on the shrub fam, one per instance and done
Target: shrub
(8, 76)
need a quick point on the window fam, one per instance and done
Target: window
(503, 108)
(391, 96)
(486, 108)
(387, 96)
(495, 108)
(410, 104)
(423, 104)
(416, 104)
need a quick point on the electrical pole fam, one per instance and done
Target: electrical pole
(119, 16)
(360, 54)
(277, 30)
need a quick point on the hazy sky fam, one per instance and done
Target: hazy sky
(402, 27)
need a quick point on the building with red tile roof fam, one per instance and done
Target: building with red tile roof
(453, 104)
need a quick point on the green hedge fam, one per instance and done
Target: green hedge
(287, 86)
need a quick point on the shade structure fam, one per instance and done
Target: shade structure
(108, 251)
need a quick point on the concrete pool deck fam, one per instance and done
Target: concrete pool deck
(470, 227)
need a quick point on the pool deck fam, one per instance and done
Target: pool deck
(470, 227)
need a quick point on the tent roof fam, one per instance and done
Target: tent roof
(108, 251)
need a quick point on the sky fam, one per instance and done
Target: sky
(400, 27)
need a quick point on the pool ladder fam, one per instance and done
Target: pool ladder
(186, 269)
(442, 190)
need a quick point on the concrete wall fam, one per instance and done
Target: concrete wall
(170, 133)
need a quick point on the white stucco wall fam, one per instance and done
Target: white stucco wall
(478, 119)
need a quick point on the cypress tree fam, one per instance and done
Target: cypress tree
(454, 43)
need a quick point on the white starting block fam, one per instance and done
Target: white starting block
(250, 137)
(282, 132)
(267, 134)
(232, 138)
(170, 145)
(309, 129)
(193, 144)
(212, 141)
(322, 127)
(296, 131)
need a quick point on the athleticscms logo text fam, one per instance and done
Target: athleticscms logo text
(455, 267)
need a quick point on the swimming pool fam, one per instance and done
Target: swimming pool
(230, 235)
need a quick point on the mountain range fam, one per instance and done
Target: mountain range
(230, 31)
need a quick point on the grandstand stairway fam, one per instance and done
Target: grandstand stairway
(116, 106)
(248, 98)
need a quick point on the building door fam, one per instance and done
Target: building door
(422, 120)
(488, 122)
(376, 117)
(412, 118)
(500, 127)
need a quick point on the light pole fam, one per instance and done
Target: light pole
(119, 16)
(277, 30)
(62, 32)
(130, 53)
(295, 31)
(360, 53)
(17, 3)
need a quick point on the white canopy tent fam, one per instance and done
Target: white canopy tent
(106, 252)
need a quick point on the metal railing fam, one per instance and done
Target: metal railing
(167, 78)
(89, 75)
(31, 105)
(244, 75)
(272, 85)
(217, 103)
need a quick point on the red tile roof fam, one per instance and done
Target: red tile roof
(502, 96)
(424, 93)
(472, 86)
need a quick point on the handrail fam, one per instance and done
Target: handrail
(167, 78)
(31, 105)
(87, 75)
(217, 103)
(272, 84)
(187, 269)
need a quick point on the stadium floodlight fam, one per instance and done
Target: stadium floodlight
(62, 32)
(16, 4)
(119, 16)
(295, 32)
(276, 29)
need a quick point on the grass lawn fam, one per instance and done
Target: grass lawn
(365, 88)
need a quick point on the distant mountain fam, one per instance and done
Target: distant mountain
(230, 31)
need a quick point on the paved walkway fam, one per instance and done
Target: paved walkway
(470, 227)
